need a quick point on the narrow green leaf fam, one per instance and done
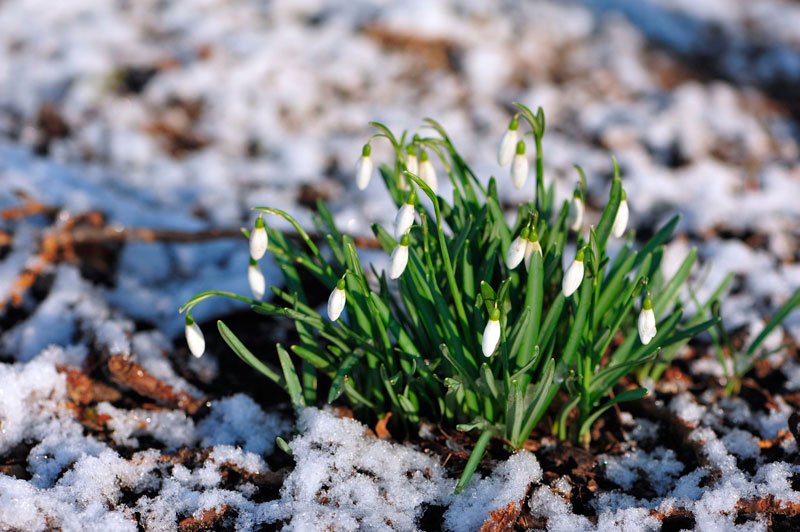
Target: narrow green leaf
(290, 374)
(474, 459)
(249, 358)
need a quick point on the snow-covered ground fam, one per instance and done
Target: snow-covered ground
(178, 117)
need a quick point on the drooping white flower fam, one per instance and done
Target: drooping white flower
(427, 172)
(621, 219)
(519, 167)
(647, 322)
(399, 258)
(508, 143)
(364, 168)
(576, 210)
(404, 218)
(336, 301)
(412, 163)
(533, 247)
(258, 285)
(258, 240)
(516, 252)
(491, 334)
(194, 337)
(574, 276)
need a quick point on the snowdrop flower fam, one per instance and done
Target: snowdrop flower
(404, 218)
(516, 252)
(576, 210)
(621, 219)
(399, 258)
(427, 172)
(336, 301)
(258, 240)
(491, 334)
(508, 143)
(532, 246)
(258, 284)
(519, 168)
(412, 163)
(647, 322)
(194, 337)
(364, 168)
(574, 276)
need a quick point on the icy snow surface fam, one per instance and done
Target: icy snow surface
(179, 117)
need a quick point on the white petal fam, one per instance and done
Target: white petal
(620, 220)
(573, 277)
(519, 171)
(336, 303)
(508, 146)
(412, 164)
(516, 252)
(647, 326)
(428, 174)
(258, 243)
(403, 220)
(491, 336)
(363, 172)
(399, 261)
(195, 339)
(258, 284)
(576, 209)
(529, 250)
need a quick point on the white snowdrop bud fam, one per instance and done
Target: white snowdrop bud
(516, 252)
(399, 258)
(336, 301)
(508, 143)
(427, 172)
(412, 163)
(576, 209)
(574, 276)
(532, 247)
(647, 322)
(364, 168)
(194, 337)
(258, 240)
(258, 285)
(519, 168)
(404, 218)
(621, 219)
(491, 334)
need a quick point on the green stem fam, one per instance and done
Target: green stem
(539, 174)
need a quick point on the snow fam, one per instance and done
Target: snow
(508, 483)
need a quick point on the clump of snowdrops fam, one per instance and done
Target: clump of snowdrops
(476, 323)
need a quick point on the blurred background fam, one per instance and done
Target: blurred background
(181, 116)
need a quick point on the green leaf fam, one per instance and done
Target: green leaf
(665, 297)
(342, 373)
(474, 459)
(249, 358)
(610, 212)
(628, 395)
(776, 320)
(290, 374)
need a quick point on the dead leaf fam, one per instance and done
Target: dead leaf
(380, 427)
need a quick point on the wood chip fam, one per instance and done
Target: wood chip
(204, 522)
(503, 518)
(128, 373)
